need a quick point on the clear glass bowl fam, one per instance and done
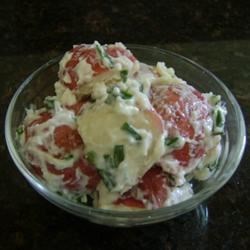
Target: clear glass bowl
(40, 84)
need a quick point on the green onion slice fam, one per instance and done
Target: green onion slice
(107, 178)
(103, 55)
(118, 155)
(91, 157)
(126, 95)
(68, 157)
(108, 161)
(219, 119)
(124, 75)
(49, 102)
(171, 141)
(129, 129)
(20, 130)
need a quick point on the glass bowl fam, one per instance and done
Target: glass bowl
(40, 84)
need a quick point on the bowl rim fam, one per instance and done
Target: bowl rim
(173, 210)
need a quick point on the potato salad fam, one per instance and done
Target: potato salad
(120, 134)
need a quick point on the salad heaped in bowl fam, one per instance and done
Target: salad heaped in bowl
(120, 134)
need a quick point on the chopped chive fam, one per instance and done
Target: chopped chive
(129, 129)
(218, 133)
(219, 119)
(108, 179)
(103, 55)
(92, 100)
(126, 95)
(89, 200)
(189, 176)
(118, 155)
(124, 75)
(68, 157)
(109, 99)
(108, 161)
(91, 157)
(171, 141)
(20, 130)
(49, 102)
(59, 193)
(100, 51)
(110, 90)
(171, 180)
(212, 166)
(141, 88)
(82, 199)
(79, 200)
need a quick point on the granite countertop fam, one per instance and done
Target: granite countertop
(28, 221)
(32, 26)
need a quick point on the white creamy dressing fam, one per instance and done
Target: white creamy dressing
(42, 135)
(166, 75)
(84, 72)
(64, 95)
(139, 155)
(86, 76)
(64, 76)
(179, 194)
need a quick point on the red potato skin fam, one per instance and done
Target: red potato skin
(176, 111)
(153, 185)
(91, 56)
(69, 175)
(67, 138)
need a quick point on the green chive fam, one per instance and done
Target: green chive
(126, 95)
(91, 157)
(171, 141)
(218, 133)
(68, 157)
(108, 161)
(92, 100)
(82, 199)
(118, 155)
(129, 129)
(171, 180)
(59, 193)
(212, 166)
(109, 99)
(49, 102)
(100, 51)
(124, 75)
(103, 55)
(20, 130)
(108, 179)
(219, 119)
(141, 88)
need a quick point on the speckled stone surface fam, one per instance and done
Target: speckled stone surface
(32, 33)
(32, 26)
